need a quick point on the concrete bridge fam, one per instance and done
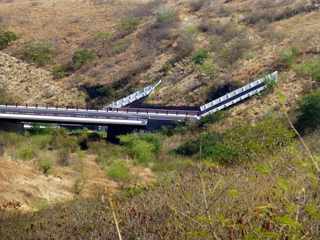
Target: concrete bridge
(121, 119)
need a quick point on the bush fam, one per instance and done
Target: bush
(241, 143)
(118, 171)
(120, 46)
(309, 112)
(6, 37)
(200, 56)
(288, 56)
(142, 147)
(82, 57)
(129, 24)
(208, 68)
(45, 165)
(212, 118)
(40, 53)
(310, 68)
(25, 152)
(166, 15)
(103, 37)
(60, 71)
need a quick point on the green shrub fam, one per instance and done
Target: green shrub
(310, 68)
(200, 56)
(208, 68)
(288, 56)
(45, 165)
(142, 147)
(6, 37)
(118, 171)
(103, 37)
(82, 57)
(40, 53)
(120, 46)
(25, 152)
(212, 118)
(309, 112)
(266, 137)
(166, 15)
(129, 24)
(106, 153)
(60, 71)
(245, 142)
(41, 141)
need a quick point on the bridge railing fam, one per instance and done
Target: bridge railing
(134, 96)
(238, 95)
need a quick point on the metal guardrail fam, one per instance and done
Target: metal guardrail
(133, 97)
(131, 116)
(237, 95)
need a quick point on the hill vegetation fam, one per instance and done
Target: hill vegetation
(251, 172)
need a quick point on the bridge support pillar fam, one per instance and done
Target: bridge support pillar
(11, 126)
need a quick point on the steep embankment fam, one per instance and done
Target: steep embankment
(27, 84)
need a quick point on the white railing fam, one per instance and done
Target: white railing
(133, 97)
(210, 105)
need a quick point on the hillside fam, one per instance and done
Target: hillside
(250, 172)
(136, 43)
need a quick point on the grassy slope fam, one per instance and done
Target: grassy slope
(274, 197)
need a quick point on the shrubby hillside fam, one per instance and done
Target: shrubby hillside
(250, 172)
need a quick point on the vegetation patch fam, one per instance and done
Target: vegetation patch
(39, 53)
(241, 143)
(309, 112)
(6, 37)
(309, 68)
(289, 56)
(129, 24)
(119, 171)
(82, 57)
(142, 147)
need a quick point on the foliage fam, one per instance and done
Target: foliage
(142, 147)
(166, 15)
(60, 71)
(309, 112)
(129, 24)
(212, 118)
(208, 68)
(40, 53)
(288, 56)
(82, 57)
(103, 36)
(118, 171)
(6, 37)
(310, 68)
(45, 165)
(120, 46)
(244, 142)
(200, 56)
(270, 82)
(25, 152)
